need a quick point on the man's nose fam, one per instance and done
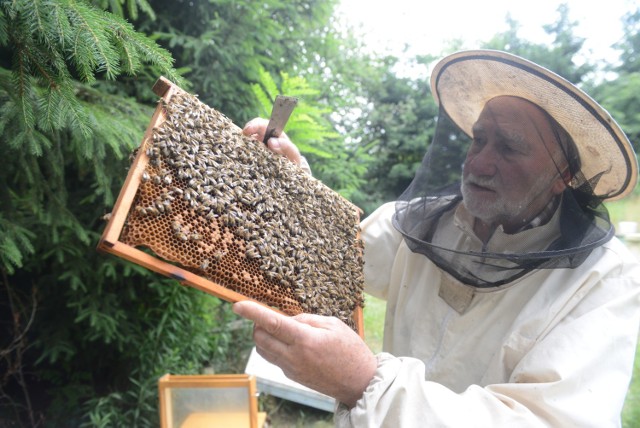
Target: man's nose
(482, 162)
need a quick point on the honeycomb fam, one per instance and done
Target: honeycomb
(226, 208)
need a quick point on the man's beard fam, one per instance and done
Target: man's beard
(500, 208)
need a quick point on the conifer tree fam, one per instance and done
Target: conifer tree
(56, 57)
(79, 343)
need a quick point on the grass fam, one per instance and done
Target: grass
(628, 209)
(631, 409)
(374, 310)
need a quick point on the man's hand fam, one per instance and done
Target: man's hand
(282, 145)
(320, 352)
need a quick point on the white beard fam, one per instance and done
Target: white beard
(501, 207)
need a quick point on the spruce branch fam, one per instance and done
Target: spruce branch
(132, 7)
(24, 90)
(4, 33)
(60, 25)
(15, 245)
(54, 43)
(92, 51)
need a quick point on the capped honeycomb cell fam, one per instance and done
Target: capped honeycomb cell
(204, 198)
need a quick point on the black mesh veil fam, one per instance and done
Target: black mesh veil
(531, 196)
(434, 198)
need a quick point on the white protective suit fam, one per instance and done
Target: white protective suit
(554, 348)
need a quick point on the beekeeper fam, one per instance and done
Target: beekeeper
(510, 302)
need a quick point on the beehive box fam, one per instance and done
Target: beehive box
(218, 211)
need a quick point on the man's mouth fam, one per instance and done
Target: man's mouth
(478, 187)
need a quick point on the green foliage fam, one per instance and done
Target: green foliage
(631, 408)
(128, 329)
(630, 44)
(307, 123)
(559, 55)
(225, 44)
(620, 96)
(15, 245)
(124, 8)
(395, 129)
(72, 79)
(55, 126)
(313, 132)
(53, 41)
(230, 46)
(67, 133)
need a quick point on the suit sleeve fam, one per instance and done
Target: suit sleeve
(381, 241)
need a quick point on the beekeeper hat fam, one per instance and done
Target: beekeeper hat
(463, 82)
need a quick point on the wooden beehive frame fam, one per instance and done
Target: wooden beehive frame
(110, 241)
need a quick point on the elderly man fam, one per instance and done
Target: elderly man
(509, 301)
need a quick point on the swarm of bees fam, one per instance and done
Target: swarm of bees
(221, 205)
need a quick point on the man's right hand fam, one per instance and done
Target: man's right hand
(281, 145)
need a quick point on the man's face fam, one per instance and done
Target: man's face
(509, 175)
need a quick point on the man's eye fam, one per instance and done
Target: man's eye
(507, 149)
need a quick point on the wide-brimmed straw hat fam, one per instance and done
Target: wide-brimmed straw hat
(463, 82)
